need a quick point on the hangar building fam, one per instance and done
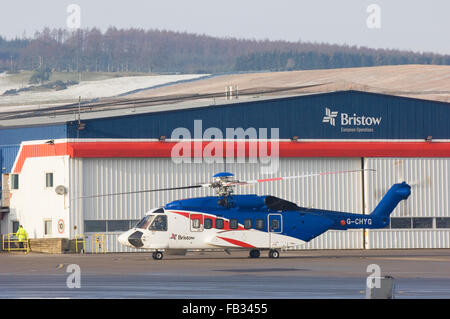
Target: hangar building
(49, 162)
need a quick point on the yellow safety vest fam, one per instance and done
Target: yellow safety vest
(22, 234)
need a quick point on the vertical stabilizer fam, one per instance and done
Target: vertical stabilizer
(395, 195)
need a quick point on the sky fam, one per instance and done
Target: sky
(413, 25)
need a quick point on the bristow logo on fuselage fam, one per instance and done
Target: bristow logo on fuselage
(181, 237)
(350, 120)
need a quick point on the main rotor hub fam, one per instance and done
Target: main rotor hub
(223, 184)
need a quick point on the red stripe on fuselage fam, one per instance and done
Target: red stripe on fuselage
(236, 242)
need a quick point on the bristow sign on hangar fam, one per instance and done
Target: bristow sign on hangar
(351, 123)
(391, 117)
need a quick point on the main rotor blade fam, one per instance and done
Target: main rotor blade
(147, 191)
(239, 183)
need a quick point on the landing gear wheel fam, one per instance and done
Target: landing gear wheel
(273, 253)
(157, 255)
(254, 253)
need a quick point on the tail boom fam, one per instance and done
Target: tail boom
(379, 218)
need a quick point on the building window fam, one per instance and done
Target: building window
(219, 223)
(208, 223)
(400, 222)
(14, 181)
(47, 227)
(118, 225)
(94, 226)
(133, 223)
(234, 224)
(259, 224)
(15, 226)
(443, 222)
(247, 223)
(422, 222)
(48, 179)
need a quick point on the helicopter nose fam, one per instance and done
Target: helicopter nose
(123, 239)
(131, 239)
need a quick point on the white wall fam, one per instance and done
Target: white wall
(33, 203)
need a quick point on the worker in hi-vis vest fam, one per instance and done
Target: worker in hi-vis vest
(22, 235)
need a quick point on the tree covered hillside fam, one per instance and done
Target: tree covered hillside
(137, 50)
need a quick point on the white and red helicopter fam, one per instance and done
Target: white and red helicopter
(250, 222)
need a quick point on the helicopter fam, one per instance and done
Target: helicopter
(246, 222)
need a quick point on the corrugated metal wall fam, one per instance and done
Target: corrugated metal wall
(114, 175)
(429, 178)
(408, 238)
(429, 197)
(337, 239)
(8, 155)
(302, 116)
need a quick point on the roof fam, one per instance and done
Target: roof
(430, 82)
(119, 107)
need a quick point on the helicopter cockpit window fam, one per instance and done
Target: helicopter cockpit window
(159, 223)
(144, 222)
(158, 211)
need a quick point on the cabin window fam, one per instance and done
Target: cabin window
(219, 223)
(259, 224)
(274, 225)
(208, 223)
(159, 223)
(247, 223)
(234, 224)
(196, 223)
